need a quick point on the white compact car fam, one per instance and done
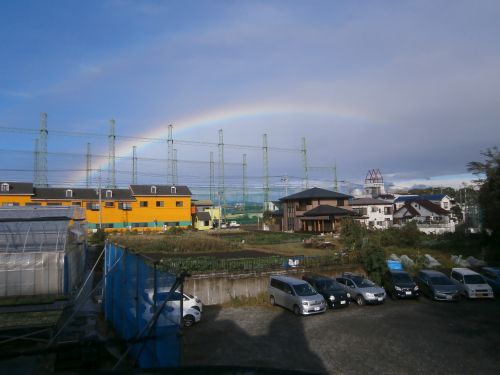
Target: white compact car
(472, 284)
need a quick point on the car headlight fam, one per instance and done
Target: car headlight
(332, 298)
(348, 295)
(305, 303)
(397, 288)
(416, 287)
(370, 295)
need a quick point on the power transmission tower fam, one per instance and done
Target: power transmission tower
(36, 171)
(134, 165)
(304, 163)
(212, 175)
(245, 192)
(175, 176)
(89, 167)
(111, 155)
(170, 150)
(41, 163)
(284, 179)
(221, 192)
(266, 170)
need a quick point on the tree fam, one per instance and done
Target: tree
(373, 259)
(488, 173)
(352, 233)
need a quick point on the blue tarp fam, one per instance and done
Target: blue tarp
(394, 265)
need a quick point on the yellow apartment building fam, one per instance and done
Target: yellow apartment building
(140, 206)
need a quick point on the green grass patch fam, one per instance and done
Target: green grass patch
(29, 319)
(261, 299)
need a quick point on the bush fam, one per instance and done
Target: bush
(373, 260)
(98, 238)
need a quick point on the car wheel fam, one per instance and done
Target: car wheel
(296, 310)
(188, 320)
(360, 300)
(272, 301)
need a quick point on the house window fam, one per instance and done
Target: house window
(69, 193)
(340, 202)
(79, 204)
(445, 205)
(160, 204)
(124, 206)
(179, 204)
(33, 204)
(374, 209)
(143, 204)
(54, 204)
(173, 190)
(153, 189)
(93, 206)
(109, 194)
(387, 210)
(5, 187)
(109, 204)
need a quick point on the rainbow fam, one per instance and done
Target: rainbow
(231, 115)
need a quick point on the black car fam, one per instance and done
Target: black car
(333, 292)
(399, 284)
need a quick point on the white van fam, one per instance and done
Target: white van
(296, 295)
(472, 284)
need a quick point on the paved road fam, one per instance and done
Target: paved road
(398, 337)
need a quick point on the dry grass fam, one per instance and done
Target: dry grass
(262, 299)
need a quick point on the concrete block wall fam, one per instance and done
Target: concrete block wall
(214, 289)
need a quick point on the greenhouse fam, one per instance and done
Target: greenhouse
(42, 250)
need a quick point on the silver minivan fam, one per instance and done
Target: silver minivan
(296, 295)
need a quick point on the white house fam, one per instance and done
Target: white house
(442, 200)
(430, 217)
(376, 213)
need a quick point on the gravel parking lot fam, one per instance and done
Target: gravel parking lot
(397, 337)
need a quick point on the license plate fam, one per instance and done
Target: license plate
(448, 297)
(408, 293)
(316, 308)
(342, 302)
(380, 299)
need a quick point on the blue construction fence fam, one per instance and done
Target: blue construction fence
(130, 300)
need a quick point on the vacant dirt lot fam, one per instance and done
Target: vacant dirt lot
(395, 338)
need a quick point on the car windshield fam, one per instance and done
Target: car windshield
(362, 282)
(401, 278)
(473, 279)
(329, 285)
(304, 290)
(441, 280)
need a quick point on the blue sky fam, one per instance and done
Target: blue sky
(409, 87)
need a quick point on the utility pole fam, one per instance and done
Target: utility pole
(100, 199)
(335, 181)
(36, 159)
(88, 171)
(304, 163)
(266, 171)
(170, 157)
(134, 165)
(284, 179)
(111, 155)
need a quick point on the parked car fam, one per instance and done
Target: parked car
(471, 284)
(437, 286)
(361, 289)
(296, 295)
(234, 224)
(190, 316)
(334, 293)
(492, 276)
(399, 284)
(189, 301)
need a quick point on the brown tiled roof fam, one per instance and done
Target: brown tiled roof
(161, 190)
(327, 210)
(316, 193)
(82, 193)
(433, 207)
(18, 188)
